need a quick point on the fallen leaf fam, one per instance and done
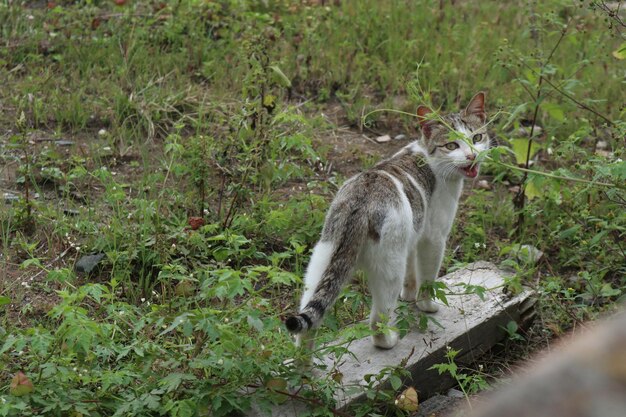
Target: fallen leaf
(276, 384)
(95, 23)
(337, 377)
(185, 288)
(407, 401)
(195, 222)
(21, 385)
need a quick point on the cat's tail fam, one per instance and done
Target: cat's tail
(333, 273)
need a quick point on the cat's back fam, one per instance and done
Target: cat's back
(402, 183)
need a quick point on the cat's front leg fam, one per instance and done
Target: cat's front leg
(429, 256)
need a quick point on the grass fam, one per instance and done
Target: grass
(208, 139)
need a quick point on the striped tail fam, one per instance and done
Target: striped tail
(335, 275)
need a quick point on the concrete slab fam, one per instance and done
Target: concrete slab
(470, 325)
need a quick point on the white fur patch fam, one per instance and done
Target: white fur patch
(414, 147)
(320, 259)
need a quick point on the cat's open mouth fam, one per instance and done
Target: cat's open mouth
(470, 171)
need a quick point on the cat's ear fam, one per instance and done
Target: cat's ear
(476, 106)
(425, 122)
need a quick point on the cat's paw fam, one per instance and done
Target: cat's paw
(408, 295)
(427, 306)
(385, 340)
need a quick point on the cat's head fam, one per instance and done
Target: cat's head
(453, 141)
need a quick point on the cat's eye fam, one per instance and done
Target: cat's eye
(477, 137)
(451, 146)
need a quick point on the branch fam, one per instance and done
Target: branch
(584, 106)
(310, 401)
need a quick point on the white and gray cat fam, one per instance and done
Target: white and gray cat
(392, 221)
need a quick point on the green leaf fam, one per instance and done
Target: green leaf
(283, 277)
(620, 52)
(608, 291)
(531, 190)
(8, 343)
(4, 300)
(555, 111)
(395, 382)
(514, 115)
(172, 381)
(569, 232)
(256, 323)
(476, 289)
(512, 327)
(60, 275)
(282, 78)
(29, 262)
(596, 239)
(520, 149)
(434, 320)
(184, 408)
(177, 322)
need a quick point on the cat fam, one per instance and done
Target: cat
(392, 221)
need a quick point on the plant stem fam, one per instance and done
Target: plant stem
(558, 177)
(520, 199)
(311, 401)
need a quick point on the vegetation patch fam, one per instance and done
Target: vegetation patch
(191, 149)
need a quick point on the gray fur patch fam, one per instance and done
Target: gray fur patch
(371, 193)
(409, 165)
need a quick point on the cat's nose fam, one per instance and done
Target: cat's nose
(471, 156)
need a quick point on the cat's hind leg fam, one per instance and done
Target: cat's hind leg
(409, 290)
(385, 279)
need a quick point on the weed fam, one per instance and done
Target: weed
(204, 160)
(469, 383)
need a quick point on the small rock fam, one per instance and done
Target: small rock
(514, 189)
(78, 196)
(87, 263)
(64, 142)
(383, 139)
(525, 254)
(437, 405)
(399, 137)
(602, 152)
(455, 393)
(10, 198)
(524, 131)
(484, 184)
(602, 145)
(530, 254)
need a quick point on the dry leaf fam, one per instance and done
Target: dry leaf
(195, 222)
(21, 385)
(407, 401)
